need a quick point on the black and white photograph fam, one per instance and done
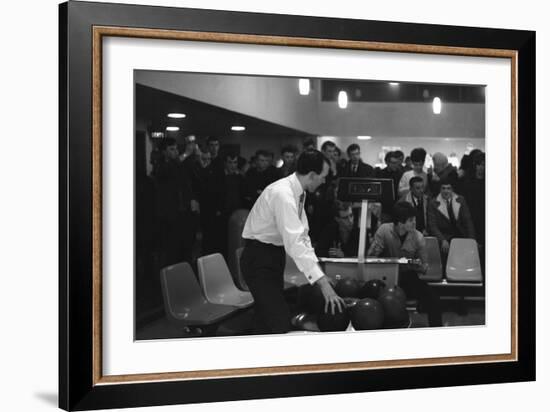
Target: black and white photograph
(271, 204)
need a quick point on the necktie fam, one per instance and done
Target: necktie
(452, 217)
(301, 204)
(354, 169)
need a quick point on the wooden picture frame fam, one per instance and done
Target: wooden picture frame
(83, 26)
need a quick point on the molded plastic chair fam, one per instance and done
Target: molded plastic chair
(218, 285)
(435, 268)
(293, 276)
(463, 262)
(239, 279)
(184, 302)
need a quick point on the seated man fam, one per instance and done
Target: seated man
(401, 239)
(339, 238)
(449, 217)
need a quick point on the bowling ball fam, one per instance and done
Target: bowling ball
(367, 314)
(397, 292)
(311, 299)
(372, 289)
(395, 310)
(347, 288)
(327, 322)
(350, 302)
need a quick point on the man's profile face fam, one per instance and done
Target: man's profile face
(206, 158)
(330, 152)
(410, 224)
(417, 189)
(355, 156)
(171, 152)
(318, 179)
(345, 218)
(446, 191)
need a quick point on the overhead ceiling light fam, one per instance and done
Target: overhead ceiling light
(394, 84)
(364, 137)
(157, 135)
(176, 115)
(304, 86)
(172, 128)
(342, 99)
(437, 105)
(238, 128)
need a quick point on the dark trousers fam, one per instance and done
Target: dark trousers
(263, 266)
(428, 299)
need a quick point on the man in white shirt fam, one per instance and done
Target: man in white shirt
(278, 223)
(418, 158)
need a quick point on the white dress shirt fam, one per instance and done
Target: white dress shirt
(275, 219)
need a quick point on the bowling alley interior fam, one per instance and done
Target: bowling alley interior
(207, 145)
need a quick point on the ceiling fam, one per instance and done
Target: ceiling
(202, 119)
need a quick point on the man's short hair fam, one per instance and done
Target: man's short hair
(168, 141)
(263, 153)
(402, 211)
(311, 161)
(327, 144)
(339, 206)
(289, 148)
(399, 154)
(389, 155)
(415, 179)
(309, 144)
(449, 180)
(229, 155)
(418, 155)
(478, 158)
(352, 147)
(212, 139)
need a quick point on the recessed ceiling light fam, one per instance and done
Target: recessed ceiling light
(176, 115)
(437, 105)
(172, 128)
(364, 137)
(394, 84)
(342, 99)
(304, 86)
(238, 128)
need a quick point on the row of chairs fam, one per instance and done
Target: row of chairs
(214, 297)
(463, 263)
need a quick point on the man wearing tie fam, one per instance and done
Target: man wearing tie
(277, 224)
(355, 166)
(449, 217)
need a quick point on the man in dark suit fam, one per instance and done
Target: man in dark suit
(355, 167)
(340, 237)
(416, 197)
(449, 217)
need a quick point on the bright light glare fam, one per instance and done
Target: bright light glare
(437, 105)
(304, 86)
(342, 99)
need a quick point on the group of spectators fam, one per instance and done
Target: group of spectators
(449, 202)
(197, 189)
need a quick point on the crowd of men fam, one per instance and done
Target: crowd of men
(197, 189)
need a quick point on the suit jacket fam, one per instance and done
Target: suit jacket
(425, 201)
(363, 170)
(439, 224)
(331, 234)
